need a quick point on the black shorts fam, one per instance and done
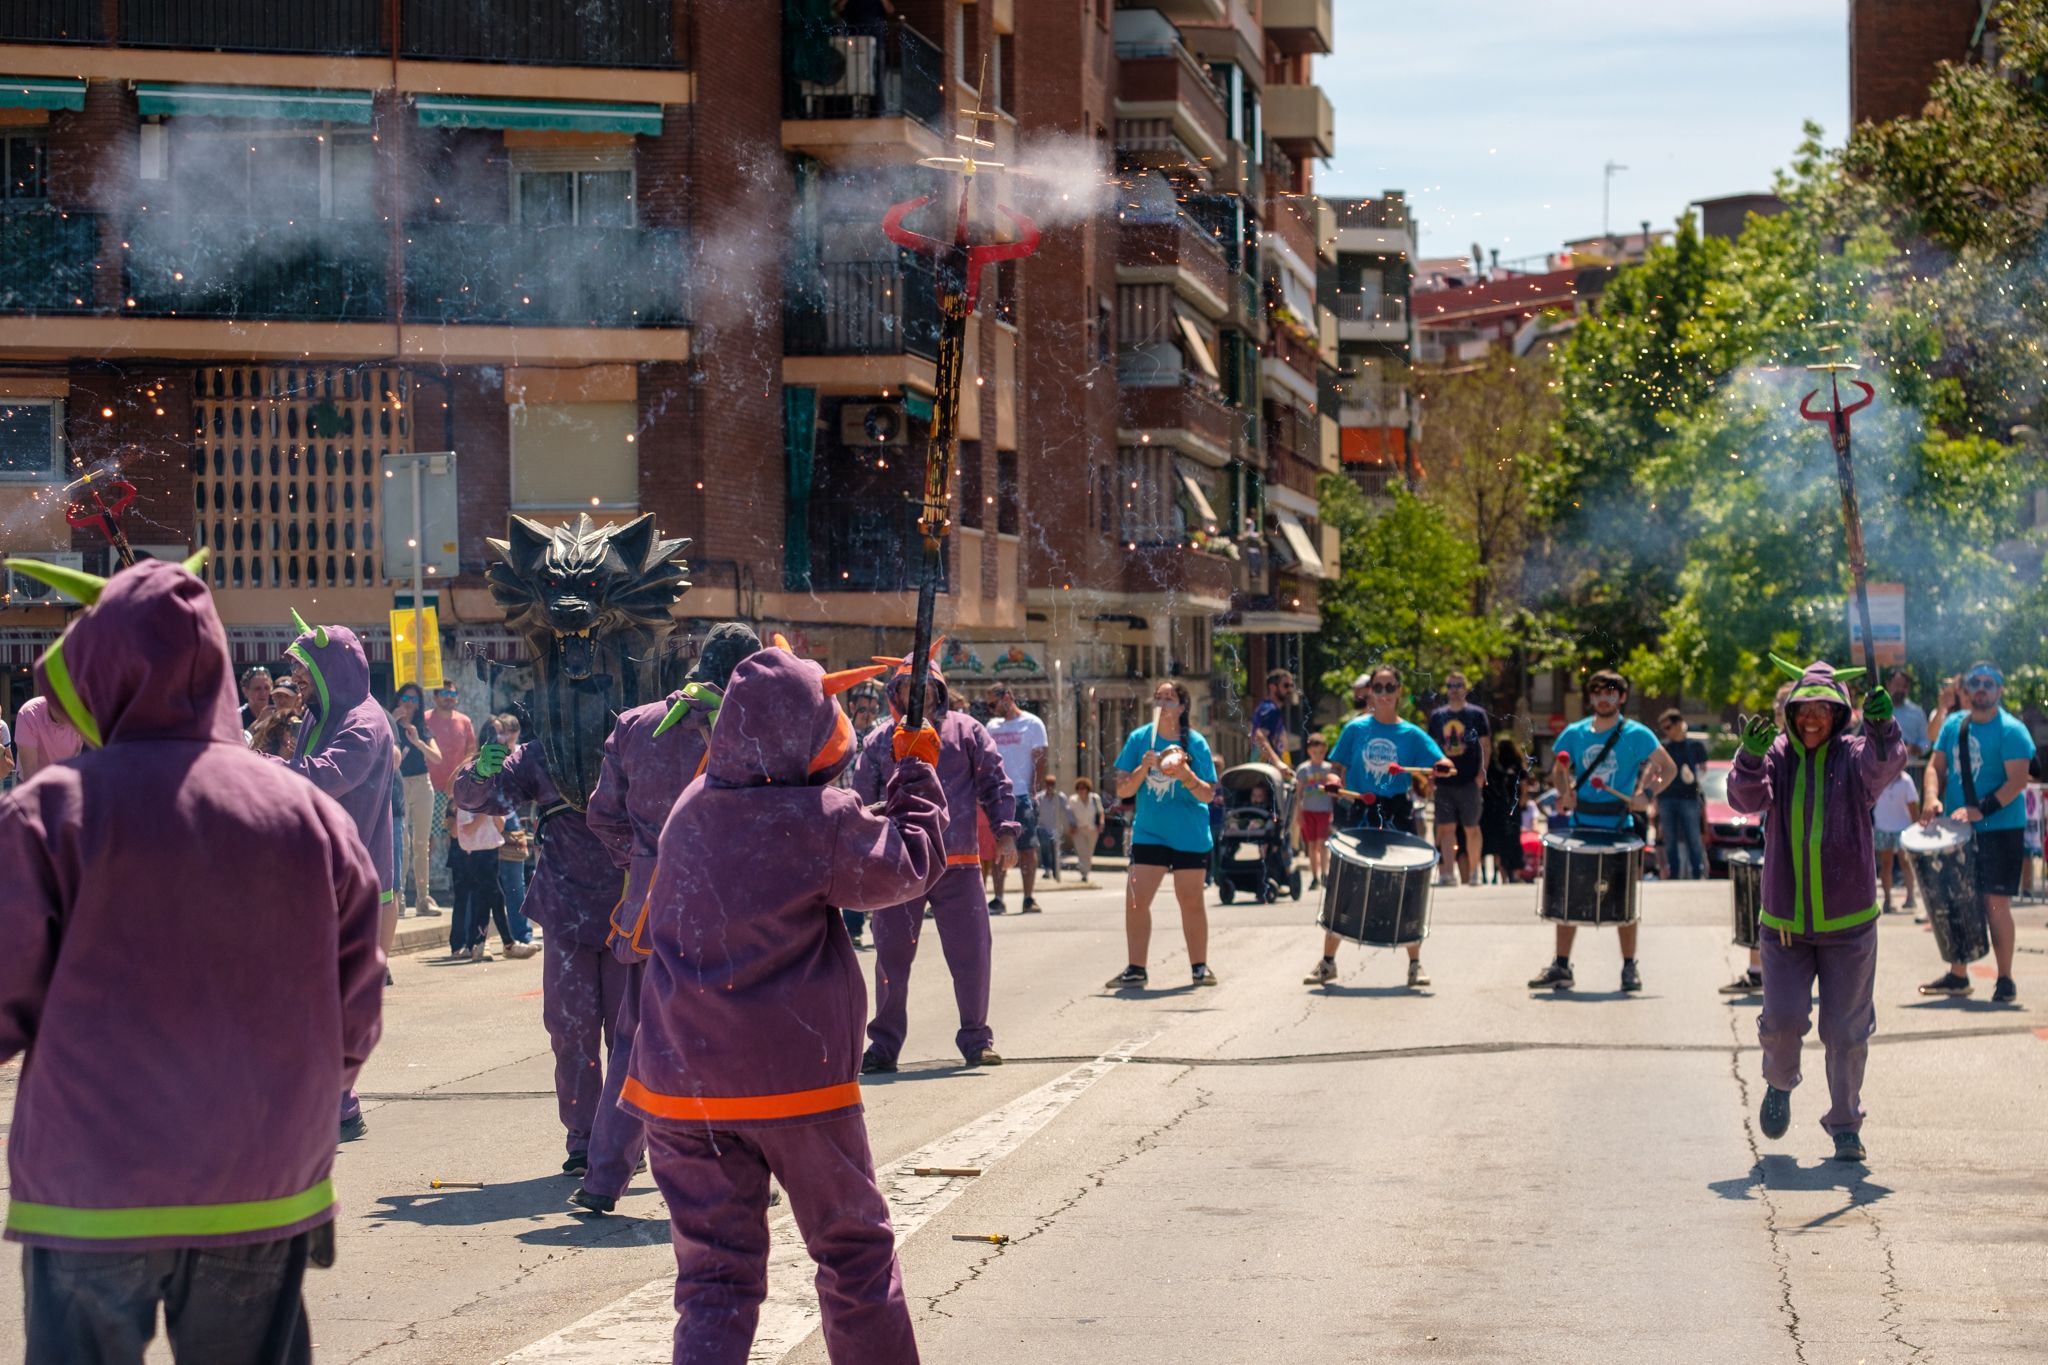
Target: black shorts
(1172, 859)
(2001, 853)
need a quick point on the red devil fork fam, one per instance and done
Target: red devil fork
(86, 505)
(1837, 418)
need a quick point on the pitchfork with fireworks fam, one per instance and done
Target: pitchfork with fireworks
(957, 264)
(1837, 417)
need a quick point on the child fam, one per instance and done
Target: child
(748, 1056)
(1815, 787)
(1315, 807)
(475, 838)
(1897, 809)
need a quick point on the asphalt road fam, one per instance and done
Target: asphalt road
(1275, 1173)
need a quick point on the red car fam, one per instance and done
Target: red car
(1725, 829)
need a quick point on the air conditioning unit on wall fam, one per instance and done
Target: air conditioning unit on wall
(23, 591)
(874, 424)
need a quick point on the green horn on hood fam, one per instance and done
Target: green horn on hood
(75, 583)
(1791, 671)
(198, 561)
(319, 633)
(1845, 674)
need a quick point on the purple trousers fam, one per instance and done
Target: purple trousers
(582, 989)
(617, 1138)
(1846, 964)
(716, 1184)
(962, 917)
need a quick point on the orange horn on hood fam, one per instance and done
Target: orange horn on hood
(779, 640)
(835, 683)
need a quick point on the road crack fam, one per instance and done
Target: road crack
(1781, 1261)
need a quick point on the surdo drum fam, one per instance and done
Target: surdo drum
(1944, 859)
(1377, 892)
(1590, 875)
(1746, 880)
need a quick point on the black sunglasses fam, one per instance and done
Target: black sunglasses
(1980, 682)
(1386, 687)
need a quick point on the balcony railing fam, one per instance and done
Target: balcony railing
(336, 28)
(1163, 76)
(46, 261)
(1369, 308)
(864, 71)
(630, 33)
(1183, 244)
(869, 545)
(200, 267)
(1163, 400)
(52, 21)
(862, 308)
(569, 276)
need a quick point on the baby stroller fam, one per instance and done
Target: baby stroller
(1252, 854)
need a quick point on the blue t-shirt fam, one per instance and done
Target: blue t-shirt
(1993, 744)
(1366, 746)
(1167, 811)
(1621, 769)
(1269, 717)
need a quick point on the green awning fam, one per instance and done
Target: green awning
(561, 116)
(41, 92)
(253, 101)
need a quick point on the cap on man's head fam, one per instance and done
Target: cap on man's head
(725, 645)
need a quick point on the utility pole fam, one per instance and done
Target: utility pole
(1607, 194)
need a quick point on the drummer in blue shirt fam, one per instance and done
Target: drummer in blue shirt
(1376, 755)
(1998, 752)
(1608, 768)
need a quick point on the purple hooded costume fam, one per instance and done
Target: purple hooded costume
(179, 1089)
(574, 889)
(345, 741)
(971, 774)
(748, 1054)
(1820, 888)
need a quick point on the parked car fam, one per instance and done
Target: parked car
(1725, 829)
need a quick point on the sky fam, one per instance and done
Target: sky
(1497, 116)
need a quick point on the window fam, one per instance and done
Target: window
(1007, 497)
(31, 439)
(550, 198)
(1150, 496)
(575, 456)
(271, 173)
(972, 499)
(1006, 72)
(24, 168)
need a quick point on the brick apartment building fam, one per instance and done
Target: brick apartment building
(627, 259)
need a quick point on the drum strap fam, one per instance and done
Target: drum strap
(1963, 762)
(1599, 757)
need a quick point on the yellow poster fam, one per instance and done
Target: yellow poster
(407, 665)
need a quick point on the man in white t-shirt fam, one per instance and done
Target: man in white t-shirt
(1020, 740)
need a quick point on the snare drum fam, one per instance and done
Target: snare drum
(1590, 875)
(1746, 880)
(1377, 888)
(1944, 859)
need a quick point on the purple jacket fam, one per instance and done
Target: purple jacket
(575, 886)
(754, 1003)
(188, 951)
(970, 773)
(1819, 869)
(345, 741)
(636, 789)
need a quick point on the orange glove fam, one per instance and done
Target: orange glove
(922, 745)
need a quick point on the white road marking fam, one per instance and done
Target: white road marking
(641, 1326)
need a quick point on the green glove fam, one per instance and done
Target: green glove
(1756, 736)
(490, 759)
(1878, 705)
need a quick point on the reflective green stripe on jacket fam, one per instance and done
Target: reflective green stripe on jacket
(190, 1220)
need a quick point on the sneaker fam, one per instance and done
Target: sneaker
(1324, 972)
(427, 911)
(521, 950)
(1315, 883)
(1130, 978)
(1557, 976)
(598, 1204)
(1749, 983)
(996, 907)
(1032, 907)
(1417, 978)
(1948, 983)
(874, 1063)
(1888, 909)
(389, 979)
(353, 1127)
(1776, 1116)
(479, 954)
(1849, 1147)
(859, 941)
(577, 1165)
(1446, 879)
(988, 1056)
(2006, 992)
(1202, 976)
(1631, 977)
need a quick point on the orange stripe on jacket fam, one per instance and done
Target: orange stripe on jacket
(963, 860)
(733, 1108)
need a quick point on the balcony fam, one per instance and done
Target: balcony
(1161, 84)
(339, 28)
(46, 261)
(1300, 119)
(571, 276)
(200, 267)
(862, 308)
(53, 21)
(610, 33)
(1292, 344)
(1370, 317)
(1181, 253)
(869, 545)
(1298, 27)
(1174, 408)
(878, 71)
(1193, 577)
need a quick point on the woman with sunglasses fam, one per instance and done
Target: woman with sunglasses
(1167, 766)
(1989, 798)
